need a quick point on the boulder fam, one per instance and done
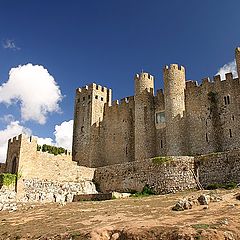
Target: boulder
(204, 199)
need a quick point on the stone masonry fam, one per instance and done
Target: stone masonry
(185, 119)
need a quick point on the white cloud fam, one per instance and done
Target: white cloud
(12, 130)
(10, 44)
(42, 141)
(35, 89)
(227, 68)
(63, 136)
(7, 118)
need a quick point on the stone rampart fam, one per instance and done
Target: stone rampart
(2, 167)
(220, 168)
(55, 191)
(176, 174)
(7, 198)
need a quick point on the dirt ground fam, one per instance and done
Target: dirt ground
(133, 218)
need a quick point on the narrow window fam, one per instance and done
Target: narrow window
(83, 98)
(233, 117)
(225, 100)
(101, 98)
(230, 133)
(82, 129)
(228, 100)
(14, 165)
(78, 100)
(96, 97)
(89, 96)
(161, 144)
(160, 117)
(126, 151)
(206, 137)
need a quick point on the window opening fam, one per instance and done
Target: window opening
(230, 132)
(160, 117)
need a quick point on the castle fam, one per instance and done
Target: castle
(184, 119)
(115, 145)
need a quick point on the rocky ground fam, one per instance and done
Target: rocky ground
(133, 218)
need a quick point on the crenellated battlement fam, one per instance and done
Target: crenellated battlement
(144, 75)
(122, 105)
(173, 67)
(16, 139)
(92, 87)
(207, 82)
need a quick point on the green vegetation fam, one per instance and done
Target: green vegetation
(7, 179)
(52, 149)
(161, 160)
(212, 97)
(147, 191)
(201, 226)
(227, 186)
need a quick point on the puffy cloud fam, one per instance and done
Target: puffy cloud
(63, 134)
(227, 68)
(42, 141)
(12, 130)
(10, 44)
(7, 118)
(35, 89)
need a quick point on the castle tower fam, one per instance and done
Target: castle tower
(174, 86)
(237, 57)
(88, 112)
(144, 116)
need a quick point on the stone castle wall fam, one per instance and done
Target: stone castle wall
(42, 175)
(2, 167)
(198, 119)
(212, 115)
(218, 168)
(175, 175)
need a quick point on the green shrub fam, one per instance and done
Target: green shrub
(145, 192)
(227, 186)
(52, 149)
(213, 186)
(230, 185)
(7, 179)
(161, 160)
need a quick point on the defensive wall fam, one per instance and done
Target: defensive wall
(43, 176)
(47, 178)
(176, 174)
(184, 119)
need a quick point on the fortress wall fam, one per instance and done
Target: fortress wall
(2, 167)
(145, 130)
(175, 175)
(88, 113)
(212, 115)
(117, 133)
(42, 174)
(160, 127)
(218, 168)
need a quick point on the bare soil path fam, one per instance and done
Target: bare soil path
(132, 218)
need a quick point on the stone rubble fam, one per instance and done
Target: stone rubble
(7, 199)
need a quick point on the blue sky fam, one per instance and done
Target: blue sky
(107, 42)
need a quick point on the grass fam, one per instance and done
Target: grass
(161, 160)
(228, 186)
(201, 226)
(147, 191)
